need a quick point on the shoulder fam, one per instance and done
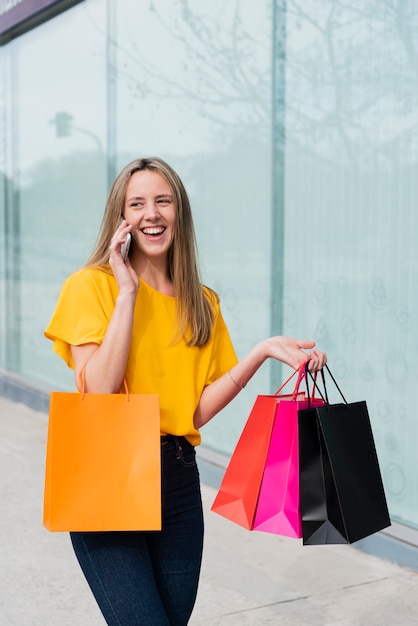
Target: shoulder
(90, 279)
(89, 285)
(213, 299)
(211, 296)
(85, 275)
(82, 312)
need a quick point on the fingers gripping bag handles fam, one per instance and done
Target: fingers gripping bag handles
(103, 462)
(341, 491)
(240, 488)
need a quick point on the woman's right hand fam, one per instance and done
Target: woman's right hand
(105, 364)
(123, 271)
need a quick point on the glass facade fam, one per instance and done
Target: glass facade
(293, 126)
(350, 193)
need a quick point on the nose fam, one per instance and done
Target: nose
(151, 211)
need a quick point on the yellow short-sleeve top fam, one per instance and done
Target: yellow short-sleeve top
(158, 363)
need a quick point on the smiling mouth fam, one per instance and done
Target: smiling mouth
(154, 231)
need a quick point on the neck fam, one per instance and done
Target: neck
(155, 273)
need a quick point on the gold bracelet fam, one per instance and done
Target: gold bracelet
(241, 387)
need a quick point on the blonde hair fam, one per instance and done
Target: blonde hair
(194, 309)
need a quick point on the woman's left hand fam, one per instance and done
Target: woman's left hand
(292, 352)
(317, 360)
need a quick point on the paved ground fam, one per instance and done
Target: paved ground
(247, 578)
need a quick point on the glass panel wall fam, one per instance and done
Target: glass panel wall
(5, 180)
(327, 191)
(195, 89)
(59, 116)
(350, 260)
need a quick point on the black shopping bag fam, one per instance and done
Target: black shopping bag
(342, 498)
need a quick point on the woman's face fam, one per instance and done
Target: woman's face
(151, 209)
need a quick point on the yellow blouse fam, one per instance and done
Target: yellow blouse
(157, 362)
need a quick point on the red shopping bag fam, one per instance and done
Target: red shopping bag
(240, 488)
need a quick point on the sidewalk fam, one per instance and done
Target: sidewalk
(247, 578)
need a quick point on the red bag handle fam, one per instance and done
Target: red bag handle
(301, 371)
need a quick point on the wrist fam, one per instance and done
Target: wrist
(127, 299)
(262, 352)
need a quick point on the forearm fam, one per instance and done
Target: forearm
(289, 351)
(105, 365)
(216, 396)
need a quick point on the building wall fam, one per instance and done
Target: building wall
(350, 257)
(294, 128)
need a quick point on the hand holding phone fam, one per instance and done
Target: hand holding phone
(124, 249)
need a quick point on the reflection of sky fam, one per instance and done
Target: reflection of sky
(176, 70)
(208, 70)
(350, 69)
(59, 66)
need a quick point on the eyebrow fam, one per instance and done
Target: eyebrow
(159, 197)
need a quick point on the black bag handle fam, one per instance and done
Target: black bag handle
(323, 382)
(315, 386)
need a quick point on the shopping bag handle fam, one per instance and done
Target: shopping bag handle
(314, 379)
(83, 385)
(301, 374)
(315, 386)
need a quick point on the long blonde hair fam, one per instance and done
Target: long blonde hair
(194, 308)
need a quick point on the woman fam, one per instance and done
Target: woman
(150, 320)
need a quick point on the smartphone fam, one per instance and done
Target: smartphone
(124, 249)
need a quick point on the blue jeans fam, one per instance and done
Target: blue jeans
(151, 578)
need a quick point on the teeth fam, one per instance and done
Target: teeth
(153, 231)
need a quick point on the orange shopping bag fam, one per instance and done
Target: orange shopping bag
(103, 462)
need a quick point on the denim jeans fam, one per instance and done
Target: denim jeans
(151, 578)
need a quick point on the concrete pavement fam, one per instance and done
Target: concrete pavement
(247, 578)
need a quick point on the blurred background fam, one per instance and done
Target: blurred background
(294, 126)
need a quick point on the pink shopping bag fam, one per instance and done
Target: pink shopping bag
(238, 493)
(278, 508)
